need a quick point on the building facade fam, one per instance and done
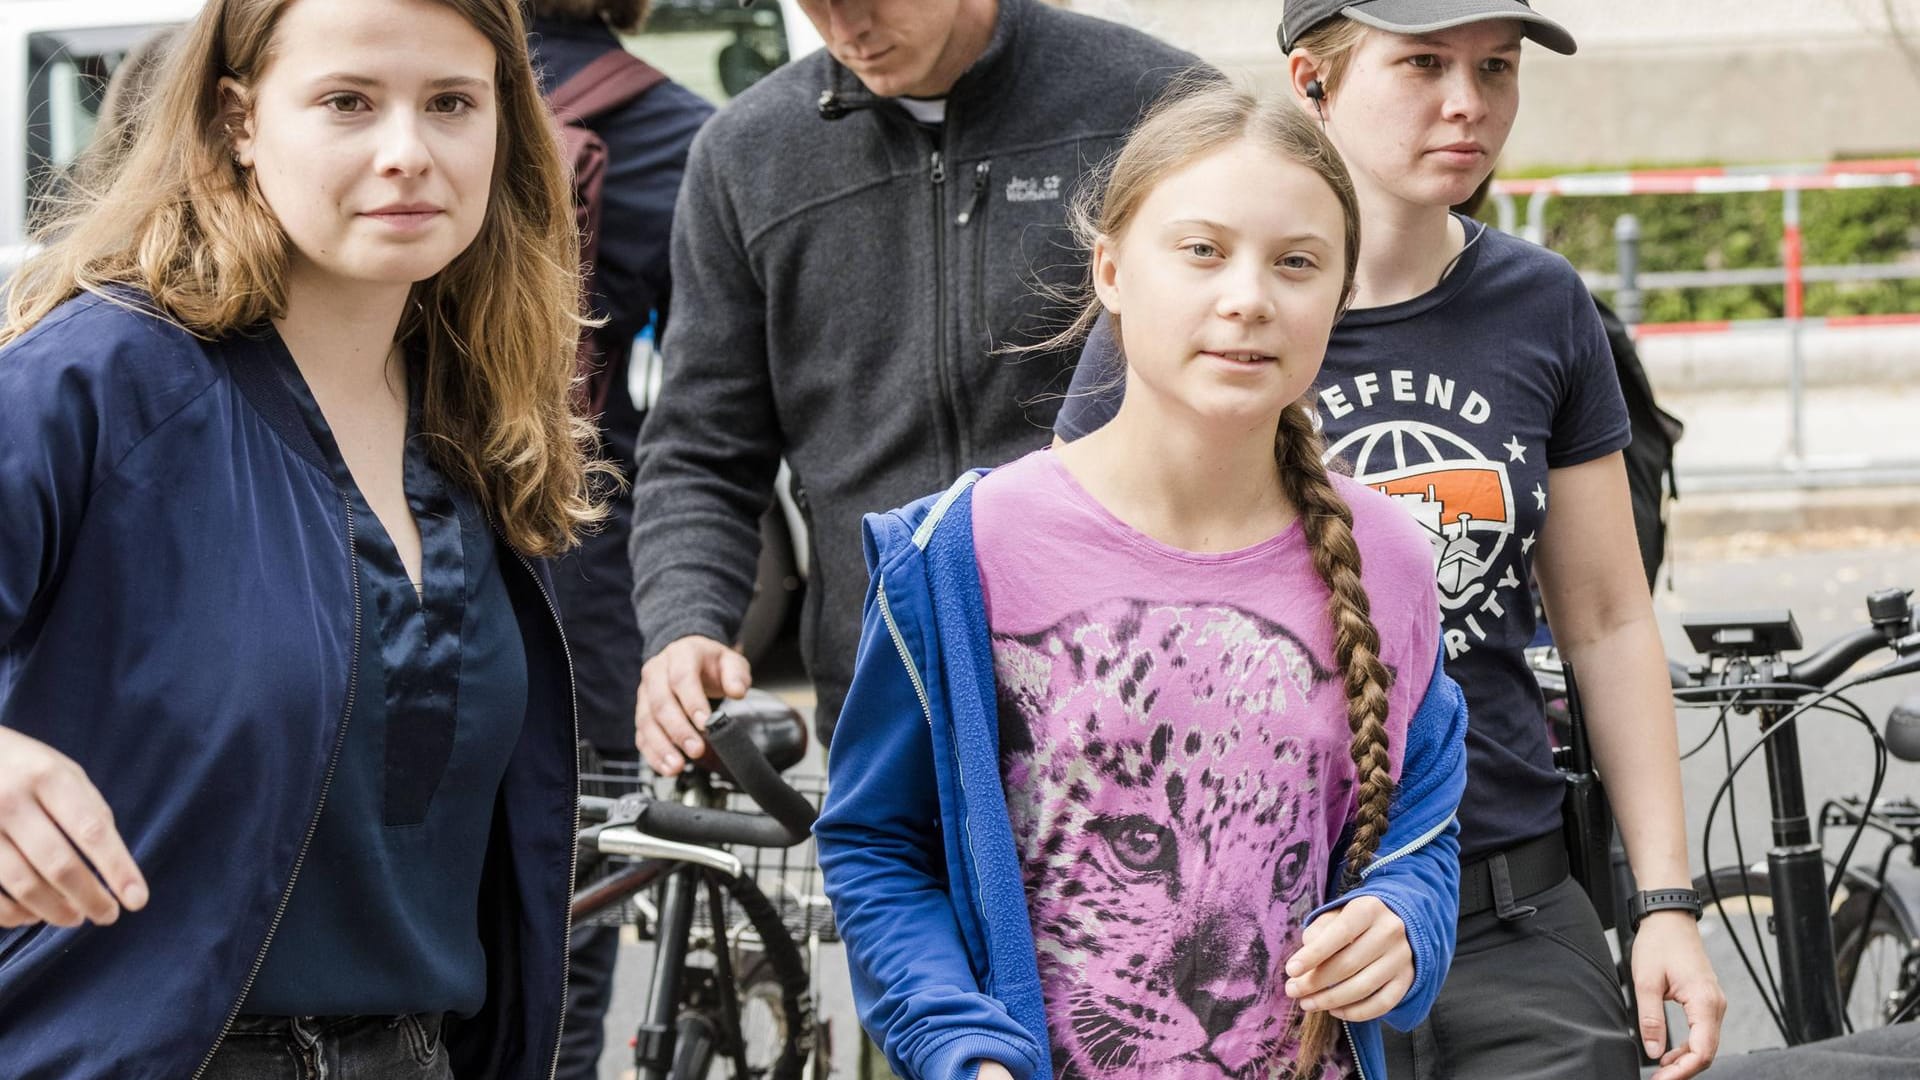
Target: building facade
(1656, 82)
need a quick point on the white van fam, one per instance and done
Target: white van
(55, 59)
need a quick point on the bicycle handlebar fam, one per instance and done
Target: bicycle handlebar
(733, 743)
(1840, 654)
(1814, 672)
(706, 825)
(787, 821)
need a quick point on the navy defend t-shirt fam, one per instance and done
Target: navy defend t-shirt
(1457, 403)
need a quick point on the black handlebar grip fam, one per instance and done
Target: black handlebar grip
(733, 744)
(705, 825)
(1903, 730)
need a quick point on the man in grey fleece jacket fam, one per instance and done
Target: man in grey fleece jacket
(848, 265)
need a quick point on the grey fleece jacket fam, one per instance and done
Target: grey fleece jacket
(846, 281)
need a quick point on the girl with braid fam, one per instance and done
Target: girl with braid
(1149, 767)
(1471, 380)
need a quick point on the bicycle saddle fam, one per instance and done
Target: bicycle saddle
(773, 726)
(1903, 729)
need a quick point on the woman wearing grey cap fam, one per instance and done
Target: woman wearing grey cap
(1470, 380)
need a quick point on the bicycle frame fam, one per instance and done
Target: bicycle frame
(656, 1041)
(1797, 873)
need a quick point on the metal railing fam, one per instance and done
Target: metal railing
(1630, 284)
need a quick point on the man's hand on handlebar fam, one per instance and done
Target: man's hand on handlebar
(670, 709)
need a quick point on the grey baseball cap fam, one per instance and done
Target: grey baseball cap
(1421, 17)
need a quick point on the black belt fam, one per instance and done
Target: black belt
(1522, 870)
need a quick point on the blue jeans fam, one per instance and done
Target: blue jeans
(332, 1048)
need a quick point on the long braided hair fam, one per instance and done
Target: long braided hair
(1328, 523)
(1198, 116)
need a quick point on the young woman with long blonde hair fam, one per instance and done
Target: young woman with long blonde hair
(1472, 381)
(286, 726)
(1149, 767)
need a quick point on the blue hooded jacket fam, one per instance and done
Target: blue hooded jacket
(178, 615)
(919, 856)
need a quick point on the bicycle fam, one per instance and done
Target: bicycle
(1846, 941)
(1850, 959)
(731, 993)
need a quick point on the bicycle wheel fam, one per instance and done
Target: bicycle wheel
(1875, 943)
(765, 1024)
(775, 999)
(1871, 959)
(1726, 929)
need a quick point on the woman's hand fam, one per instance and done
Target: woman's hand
(53, 823)
(1353, 962)
(992, 1070)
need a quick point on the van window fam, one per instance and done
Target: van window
(67, 78)
(716, 48)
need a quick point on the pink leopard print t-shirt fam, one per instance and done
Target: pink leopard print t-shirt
(1173, 742)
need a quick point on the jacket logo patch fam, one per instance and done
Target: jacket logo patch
(1024, 189)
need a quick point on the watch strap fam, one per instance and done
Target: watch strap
(1646, 903)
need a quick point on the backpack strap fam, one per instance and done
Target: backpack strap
(610, 81)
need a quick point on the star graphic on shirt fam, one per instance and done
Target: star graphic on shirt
(1526, 543)
(1539, 497)
(1507, 580)
(1514, 447)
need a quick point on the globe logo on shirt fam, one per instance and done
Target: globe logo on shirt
(1461, 498)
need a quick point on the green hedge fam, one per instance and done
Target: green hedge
(1731, 232)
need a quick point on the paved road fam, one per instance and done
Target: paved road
(1823, 583)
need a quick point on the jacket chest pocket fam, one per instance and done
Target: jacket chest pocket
(1024, 259)
(1024, 276)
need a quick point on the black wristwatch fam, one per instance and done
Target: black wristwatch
(1644, 904)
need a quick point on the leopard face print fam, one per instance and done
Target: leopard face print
(1167, 787)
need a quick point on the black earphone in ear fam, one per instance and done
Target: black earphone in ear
(1318, 94)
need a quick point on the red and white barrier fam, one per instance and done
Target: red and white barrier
(1829, 322)
(1789, 180)
(1881, 173)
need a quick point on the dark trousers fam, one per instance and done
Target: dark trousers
(1530, 995)
(589, 990)
(332, 1048)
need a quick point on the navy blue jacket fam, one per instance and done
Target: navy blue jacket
(177, 615)
(918, 852)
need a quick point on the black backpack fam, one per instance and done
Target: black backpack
(1650, 456)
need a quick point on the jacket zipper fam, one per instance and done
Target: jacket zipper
(938, 173)
(980, 172)
(1353, 1045)
(573, 850)
(1408, 848)
(926, 710)
(906, 655)
(313, 823)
